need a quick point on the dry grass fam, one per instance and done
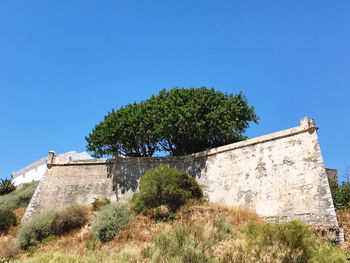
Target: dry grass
(8, 247)
(234, 245)
(343, 217)
(139, 234)
(195, 211)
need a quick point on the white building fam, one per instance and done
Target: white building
(36, 170)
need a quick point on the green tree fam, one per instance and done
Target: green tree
(128, 131)
(179, 121)
(341, 193)
(193, 120)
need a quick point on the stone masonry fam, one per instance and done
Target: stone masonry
(279, 175)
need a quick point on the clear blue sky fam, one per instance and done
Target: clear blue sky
(65, 64)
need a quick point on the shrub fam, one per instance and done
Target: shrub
(98, 203)
(326, 253)
(165, 186)
(18, 198)
(291, 241)
(35, 230)
(110, 220)
(188, 243)
(73, 217)
(7, 219)
(6, 186)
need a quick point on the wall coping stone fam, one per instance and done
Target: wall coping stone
(305, 126)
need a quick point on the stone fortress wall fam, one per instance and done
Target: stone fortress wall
(35, 171)
(280, 176)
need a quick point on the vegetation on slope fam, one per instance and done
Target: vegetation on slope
(7, 219)
(110, 220)
(199, 232)
(49, 223)
(341, 193)
(34, 231)
(18, 198)
(165, 186)
(65, 220)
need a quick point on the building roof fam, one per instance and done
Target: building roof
(29, 167)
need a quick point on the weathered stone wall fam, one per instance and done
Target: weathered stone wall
(280, 176)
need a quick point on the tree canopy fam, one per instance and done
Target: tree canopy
(179, 121)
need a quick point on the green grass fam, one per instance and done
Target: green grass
(18, 198)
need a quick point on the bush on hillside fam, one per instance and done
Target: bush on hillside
(18, 198)
(110, 220)
(165, 186)
(327, 253)
(189, 243)
(73, 217)
(292, 241)
(35, 230)
(7, 219)
(6, 186)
